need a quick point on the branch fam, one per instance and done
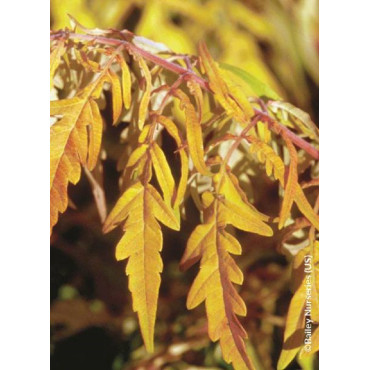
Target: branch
(133, 49)
(240, 138)
(186, 73)
(301, 143)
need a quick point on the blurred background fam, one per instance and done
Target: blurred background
(92, 323)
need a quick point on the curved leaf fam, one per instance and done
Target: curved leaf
(174, 132)
(193, 133)
(143, 107)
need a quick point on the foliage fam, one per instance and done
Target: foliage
(227, 133)
(282, 32)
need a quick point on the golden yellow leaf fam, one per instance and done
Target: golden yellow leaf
(193, 133)
(137, 155)
(65, 158)
(126, 82)
(163, 172)
(174, 132)
(116, 96)
(143, 107)
(140, 207)
(55, 56)
(95, 135)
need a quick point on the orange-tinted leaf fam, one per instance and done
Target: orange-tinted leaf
(213, 285)
(74, 140)
(71, 144)
(211, 244)
(139, 207)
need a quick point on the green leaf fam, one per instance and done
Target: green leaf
(258, 87)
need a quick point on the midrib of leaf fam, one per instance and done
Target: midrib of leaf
(224, 283)
(147, 303)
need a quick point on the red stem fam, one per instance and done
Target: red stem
(188, 74)
(307, 147)
(133, 49)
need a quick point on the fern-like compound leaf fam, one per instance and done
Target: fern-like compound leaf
(140, 207)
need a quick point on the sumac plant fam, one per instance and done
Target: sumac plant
(229, 131)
